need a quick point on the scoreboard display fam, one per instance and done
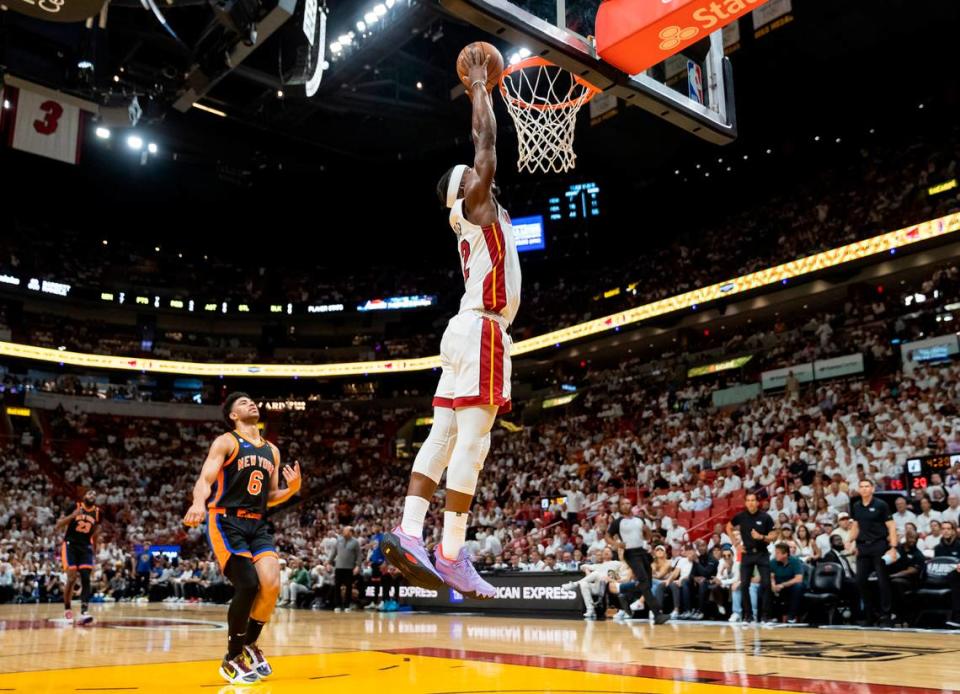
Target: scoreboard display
(579, 201)
(917, 471)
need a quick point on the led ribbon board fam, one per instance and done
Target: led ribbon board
(884, 243)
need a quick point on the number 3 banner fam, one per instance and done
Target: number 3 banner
(46, 126)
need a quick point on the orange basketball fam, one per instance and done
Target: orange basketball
(494, 66)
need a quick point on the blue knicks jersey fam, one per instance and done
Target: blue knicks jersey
(244, 479)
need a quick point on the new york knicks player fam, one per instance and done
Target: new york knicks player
(241, 479)
(77, 552)
(475, 358)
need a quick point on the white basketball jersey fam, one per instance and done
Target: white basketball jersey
(490, 264)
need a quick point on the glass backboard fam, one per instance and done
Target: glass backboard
(693, 90)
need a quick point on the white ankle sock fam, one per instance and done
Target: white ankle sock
(454, 533)
(414, 511)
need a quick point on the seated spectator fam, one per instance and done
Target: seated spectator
(597, 575)
(726, 585)
(824, 513)
(902, 516)
(786, 582)
(299, 583)
(786, 537)
(849, 592)
(677, 537)
(822, 540)
(907, 572)
(950, 547)
(567, 562)
(952, 512)
(696, 587)
(323, 577)
(926, 516)
(781, 503)
(929, 543)
(837, 499)
(665, 578)
(806, 548)
(731, 482)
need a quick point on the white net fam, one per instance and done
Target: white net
(543, 100)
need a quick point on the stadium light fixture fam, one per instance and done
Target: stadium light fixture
(370, 18)
(361, 26)
(103, 133)
(135, 143)
(152, 148)
(379, 9)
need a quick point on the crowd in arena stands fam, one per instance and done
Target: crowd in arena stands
(883, 189)
(803, 451)
(628, 436)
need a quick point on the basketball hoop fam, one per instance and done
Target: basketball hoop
(543, 100)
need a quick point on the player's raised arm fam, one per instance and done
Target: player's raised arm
(220, 450)
(478, 189)
(65, 520)
(276, 495)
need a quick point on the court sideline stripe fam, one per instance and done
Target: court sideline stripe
(665, 673)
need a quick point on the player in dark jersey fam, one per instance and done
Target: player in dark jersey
(77, 552)
(240, 479)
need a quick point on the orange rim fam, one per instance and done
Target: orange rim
(537, 61)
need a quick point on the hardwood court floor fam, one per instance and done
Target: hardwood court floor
(160, 648)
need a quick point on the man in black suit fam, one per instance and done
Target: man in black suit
(848, 589)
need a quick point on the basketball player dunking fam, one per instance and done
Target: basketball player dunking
(475, 358)
(77, 552)
(242, 471)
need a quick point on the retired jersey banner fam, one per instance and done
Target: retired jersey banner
(635, 35)
(46, 126)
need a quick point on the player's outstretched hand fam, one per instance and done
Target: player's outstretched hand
(477, 61)
(195, 516)
(292, 475)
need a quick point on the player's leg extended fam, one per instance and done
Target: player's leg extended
(68, 592)
(268, 572)
(85, 590)
(469, 453)
(432, 459)
(246, 585)
(404, 546)
(267, 566)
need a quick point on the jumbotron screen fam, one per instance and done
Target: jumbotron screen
(529, 234)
